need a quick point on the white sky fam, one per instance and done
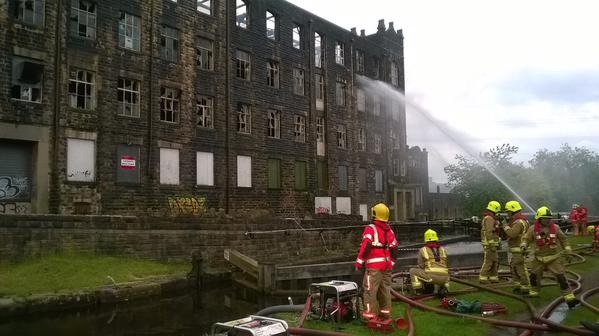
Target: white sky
(521, 72)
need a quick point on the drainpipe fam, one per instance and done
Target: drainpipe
(55, 185)
(227, 104)
(151, 94)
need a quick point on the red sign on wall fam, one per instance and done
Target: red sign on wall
(128, 162)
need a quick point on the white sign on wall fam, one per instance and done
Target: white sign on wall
(81, 160)
(323, 205)
(169, 166)
(343, 205)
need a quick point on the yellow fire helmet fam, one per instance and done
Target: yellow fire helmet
(591, 229)
(430, 235)
(513, 206)
(543, 212)
(494, 206)
(380, 212)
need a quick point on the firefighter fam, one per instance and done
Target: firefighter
(583, 218)
(551, 243)
(593, 230)
(517, 227)
(490, 240)
(574, 219)
(375, 257)
(432, 265)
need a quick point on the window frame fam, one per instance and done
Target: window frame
(340, 53)
(341, 92)
(271, 20)
(341, 137)
(204, 54)
(124, 88)
(175, 102)
(36, 18)
(320, 94)
(86, 83)
(24, 87)
(394, 75)
(318, 50)
(359, 61)
(205, 111)
(378, 144)
(169, 44)
(299, 133)
(273, 128)
(378, 181)
(297, 32)
(362, 139)
(245, 23)
(299, 81)
(243, 66)
(135, 29)
(79, 13)
(244, 111)
(207, 10)
(273, 74)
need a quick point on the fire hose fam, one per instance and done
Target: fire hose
(585, 295)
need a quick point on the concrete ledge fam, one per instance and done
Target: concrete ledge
(36, 303)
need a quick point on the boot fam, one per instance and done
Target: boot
(573, 303)
(443, 291)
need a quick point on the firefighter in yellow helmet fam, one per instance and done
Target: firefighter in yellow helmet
(432, 266)
(551, 243)
(375, 257)
(490, 240)
(517, 227)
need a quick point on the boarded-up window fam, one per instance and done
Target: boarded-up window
(274, 173)
(300, 175)
(128, 168)
(378, 181)
(205, 168)
(81, 160)
(342, 177)
(364, 212)
(343, 205)
(244, 171)
(15, 171)
(322, 172)
(169, 166)
(322, 205)
(362, 179)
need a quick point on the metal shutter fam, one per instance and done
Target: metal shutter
(15, 171)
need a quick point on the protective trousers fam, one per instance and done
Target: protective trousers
(377, 293)
(490, 268)
(519, 271)
(556, 268)
(418, 276)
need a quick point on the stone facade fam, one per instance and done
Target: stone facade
(118, 128)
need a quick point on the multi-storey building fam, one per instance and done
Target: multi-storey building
(179, 106)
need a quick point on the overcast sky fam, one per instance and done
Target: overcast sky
(518, 72)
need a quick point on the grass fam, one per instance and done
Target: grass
(431, 324)
(71, 272)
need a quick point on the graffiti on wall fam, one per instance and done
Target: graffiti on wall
(14, 188)
(187, 205)
(14, 207)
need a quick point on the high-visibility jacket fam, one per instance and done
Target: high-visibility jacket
(488, 231)
(514, 231)
(583, 214)
(550, 240)
(574, 215)
(375, 251)
(433, 258)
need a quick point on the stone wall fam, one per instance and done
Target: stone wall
(260, 237)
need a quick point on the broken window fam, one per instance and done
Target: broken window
(298, 81)
(169, 43)
(341, 137)
(241, 13)
(378, 144)
(318, 53)
(300, 128)
(27, 80)
(204, 6)
(361, 139)
(82, 93)
(271, 26)
(274, 124)
(359, 61)
(204, 110)
(169, 104)
(128, 97)
(83, 19)
(129, 31)
(339, 53)
(297, 36)
(394, 74)
(272, 76)
(340, 93)
(319, 92)
(244, 119)
(30, 12)
(204, 54)
(300, 175)
(242, 62)
(378, 180)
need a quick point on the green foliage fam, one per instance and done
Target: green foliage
(73, 271)
(556, 179)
